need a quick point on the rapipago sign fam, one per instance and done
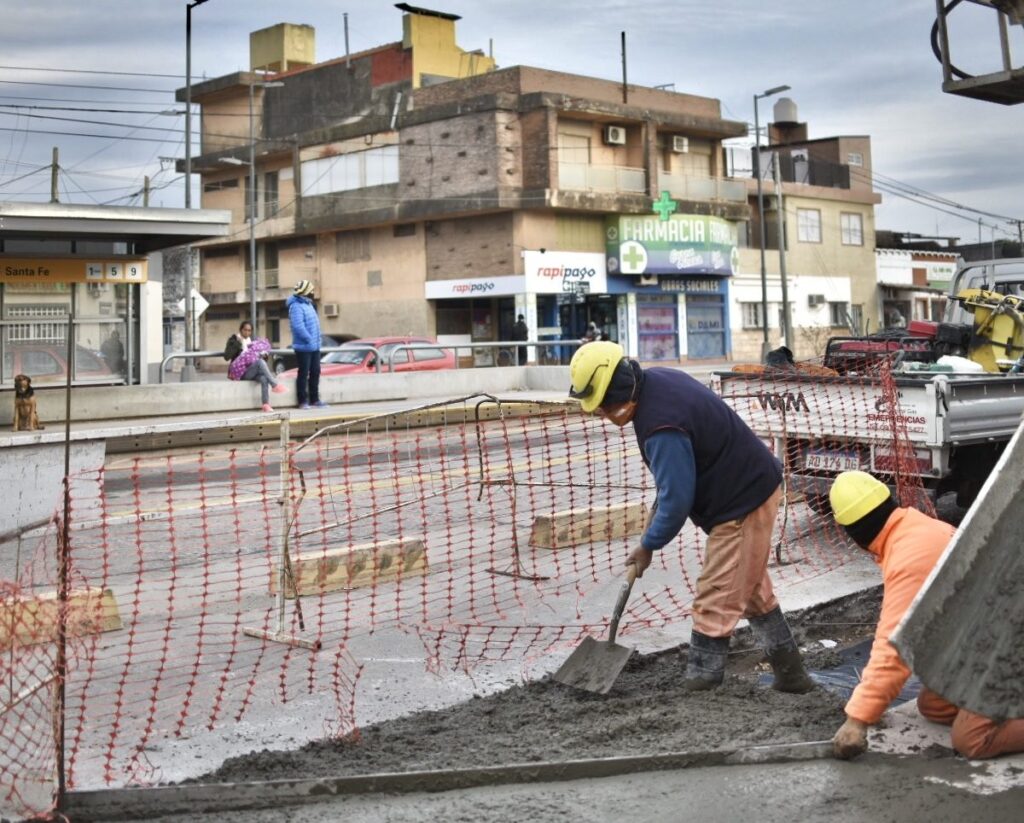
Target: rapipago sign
(680, 244)
(553, 272)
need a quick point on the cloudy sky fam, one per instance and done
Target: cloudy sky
(862, 67)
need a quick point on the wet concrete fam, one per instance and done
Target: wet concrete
(875, 788)
(647, 711)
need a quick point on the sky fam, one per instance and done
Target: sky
(854, 67)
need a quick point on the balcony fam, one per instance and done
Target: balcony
(269, 285)
(584, 177)
(692, 187)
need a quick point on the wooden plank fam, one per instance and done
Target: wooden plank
(30, 619)
(571, 527)
(351, 567)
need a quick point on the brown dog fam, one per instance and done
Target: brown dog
(25, 416)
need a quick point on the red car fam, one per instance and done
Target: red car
(48, 363)
(358, 357)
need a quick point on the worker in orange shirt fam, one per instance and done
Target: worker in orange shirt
(906, 544)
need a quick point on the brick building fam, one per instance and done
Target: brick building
(426, 191)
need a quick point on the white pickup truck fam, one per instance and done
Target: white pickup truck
(955, 424)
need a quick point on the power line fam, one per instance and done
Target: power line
(83, 86)
(93, 71)
(110, 137)
(167, 112)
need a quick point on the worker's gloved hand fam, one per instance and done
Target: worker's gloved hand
(641, 558)
(851, 739)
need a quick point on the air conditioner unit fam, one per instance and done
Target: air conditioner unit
(615, 135)
(680, 144)
(815, 300)
(330, 309)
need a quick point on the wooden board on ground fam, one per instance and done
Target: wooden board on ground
(32, 618)
(350, 567)
(574, 526)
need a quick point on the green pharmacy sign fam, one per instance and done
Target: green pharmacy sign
(680, 244)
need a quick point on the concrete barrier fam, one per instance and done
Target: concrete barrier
(569, 528)
(31, 619)
(99, 403)
(351, 567)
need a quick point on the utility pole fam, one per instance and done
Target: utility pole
(54, 169)
(188, 370)
(787, 319)
(145, 191)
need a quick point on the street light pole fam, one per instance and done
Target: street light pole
(188, 370)
(765, 345)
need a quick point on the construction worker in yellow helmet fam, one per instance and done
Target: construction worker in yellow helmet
(906, 544)
(708, 466)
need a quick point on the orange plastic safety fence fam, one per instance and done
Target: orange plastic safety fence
(485, 543)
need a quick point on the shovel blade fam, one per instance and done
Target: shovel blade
(594, 666)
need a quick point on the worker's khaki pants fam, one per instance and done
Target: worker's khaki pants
(734, 581)
(974, 735)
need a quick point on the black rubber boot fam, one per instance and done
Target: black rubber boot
(705, 667)
(773, 635)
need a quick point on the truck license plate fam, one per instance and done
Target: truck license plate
(835, 461)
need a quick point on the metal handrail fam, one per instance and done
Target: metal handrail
(500, 344)
(198, 355)
(454, 347)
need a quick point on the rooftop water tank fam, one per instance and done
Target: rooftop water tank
(785, 111)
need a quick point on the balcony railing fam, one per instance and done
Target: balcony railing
(691, 187)
(601, 178)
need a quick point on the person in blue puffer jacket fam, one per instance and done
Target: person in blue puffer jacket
(305, 325)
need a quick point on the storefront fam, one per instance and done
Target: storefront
(674, 273)
(558, 295)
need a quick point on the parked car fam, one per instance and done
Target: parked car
(357, 357)
(48, 363)
(283, 362)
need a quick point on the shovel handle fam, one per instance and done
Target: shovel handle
(620, 604)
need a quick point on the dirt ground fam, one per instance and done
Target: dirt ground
(646, 712)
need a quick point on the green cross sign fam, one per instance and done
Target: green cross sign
(665, 206)
(633, 258)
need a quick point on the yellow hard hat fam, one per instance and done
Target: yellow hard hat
(591, 370)
(855, 494)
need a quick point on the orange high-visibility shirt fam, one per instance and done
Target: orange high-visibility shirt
(907, 549)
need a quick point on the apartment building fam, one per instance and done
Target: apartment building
(828, 224)
(425, 190)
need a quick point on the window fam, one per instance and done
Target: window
(857, 319)
(270, 196)
(404, 230)
(753, 317)
(220, 185)
(808, 225)
(352, 245)
(250, 199)
(852, 227)
(837, 313)
(854, 158)
(427, 354)
(573, 148)
(355, 170)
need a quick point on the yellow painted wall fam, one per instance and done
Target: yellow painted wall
(434, 50)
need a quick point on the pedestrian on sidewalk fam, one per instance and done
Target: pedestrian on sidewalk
(305, 326)
(708, 466)
(520, 331)
(907, 544)
(248, 356)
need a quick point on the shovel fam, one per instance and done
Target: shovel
(595, 664)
